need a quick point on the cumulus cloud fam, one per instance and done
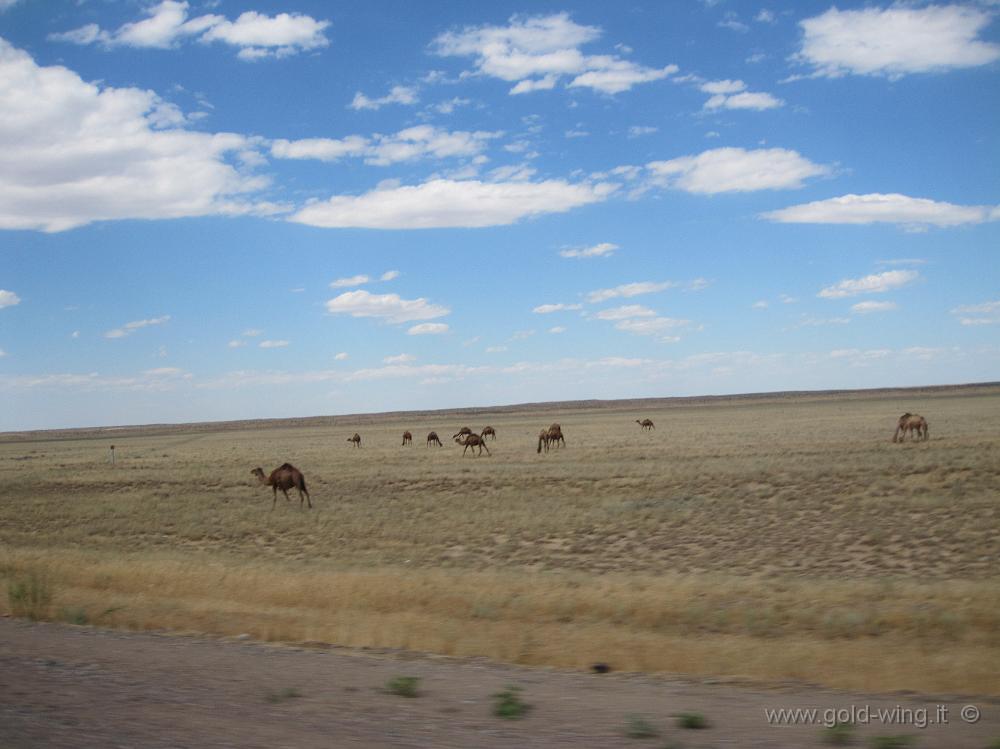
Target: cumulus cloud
(735, 170)
(629, 290)
(545, 309)
(441, 203)
(342, 356)
(131, 327)
(537, 52)
(396, 95)
(877, 283)
(389, 275)
(878, 208)
(167, 24)
(865, 308)
(322, 149)
(389, 307)
(428, 328)
(729, 94)
(8, 298)
(350, 281)
(598, 250)
(420, 141)
(896, 41)
(75, 153)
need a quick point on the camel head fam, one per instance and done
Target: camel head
(259, 473)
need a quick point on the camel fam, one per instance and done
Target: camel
(911, 423)
(284, 477)
(407, 438)
(433, 438)
(472, 440)
(461, 432)
(552, 435)
(356, 439)
(646, 424)
(489, 432)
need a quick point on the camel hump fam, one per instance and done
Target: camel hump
(286, 467)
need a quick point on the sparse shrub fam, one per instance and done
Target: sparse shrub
(692, 720)
(31, 597)
(74, 616)
(404, 686)
(839, 734)
(508, 703)
(900, 741)
(288, 693)
(637, 727)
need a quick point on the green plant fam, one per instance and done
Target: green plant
(839, 734)
(404, 686)
(900, 741)
(31, 597)
(637, 727)
(691, 720)
(74, 616)
(508, 703)
(288, 693)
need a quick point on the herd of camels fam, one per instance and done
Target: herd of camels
(287, 476)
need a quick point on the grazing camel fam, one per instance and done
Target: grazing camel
(284, 477)
(461, 432)
(550, 436)
(472, 440)
(356, 439)
(489, 432)
(646, 424)
(911, 423)
(407, 438)
(432, 438)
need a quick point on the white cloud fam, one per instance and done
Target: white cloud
(420, 141)
(654, 326)
(625, 312)
(399, 359)
(75, 153)
(449, 203)
(864, 308)
(390, 307)
(722, 88)
(428, 328)
(254, 34)
(131, 327)
(598, 250)
(879, 208)
(877, 283)
(236, 343)
(545, 309)
(556, 329)
(252, 333)
(987, 313)
(762, 304)
(341, 356)
(744, 100)
(351, 281)
(636, 131)
(8, 298)
(537, 52)
(897, 40)
(389, 275)
(273, 344)
(322, 149)
(735, 170)
(396, 95)
(628, 290)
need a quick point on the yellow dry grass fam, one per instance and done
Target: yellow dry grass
(779, 539)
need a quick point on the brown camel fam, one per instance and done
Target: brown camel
(284, 477)
(551, 436)
(911, 423)
(472, 440)
(646, 424)
(356, 439)
(489, 432)
(433, 438)
(461, 432)
(407, 438)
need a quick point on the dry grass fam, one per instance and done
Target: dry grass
(781, 539)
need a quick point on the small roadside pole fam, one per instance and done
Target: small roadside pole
(112, 455)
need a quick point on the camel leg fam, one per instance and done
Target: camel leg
(275, 491)
(487, 451)
(285, 492)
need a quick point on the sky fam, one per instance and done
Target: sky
(246, 209)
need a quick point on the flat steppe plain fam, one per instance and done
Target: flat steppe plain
(766, 538)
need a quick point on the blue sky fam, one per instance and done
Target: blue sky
(225, 210)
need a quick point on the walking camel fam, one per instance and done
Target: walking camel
(284, 477)
(472, 440)
(461, 432)
(356, 439)
(489, 431)
(407, 439)
(646, 424)
(911, 423)
(432, 438)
